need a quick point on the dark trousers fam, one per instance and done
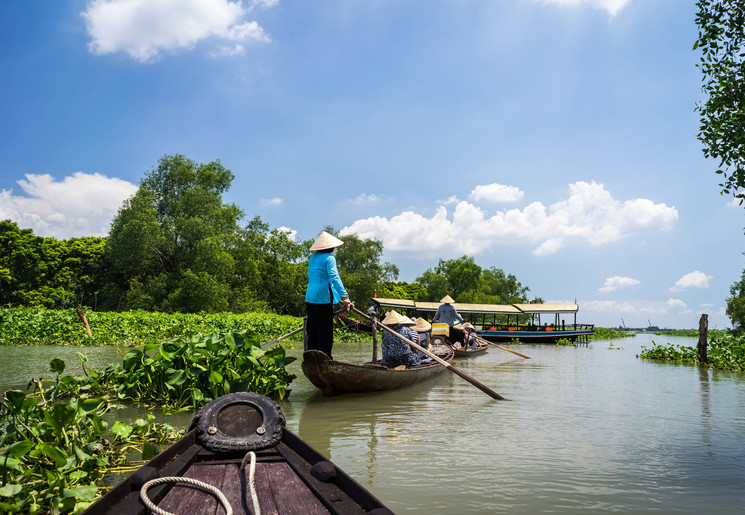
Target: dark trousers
(319, 327)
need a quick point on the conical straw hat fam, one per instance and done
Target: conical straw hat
(407, 321)
(468, 325)
(326, 241)
(393, 318)
(422, 326)
(447, 299)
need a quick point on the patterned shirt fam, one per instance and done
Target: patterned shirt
(396, 351)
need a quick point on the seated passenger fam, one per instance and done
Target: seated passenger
(423, 328)
(470, 336)
(397, 352)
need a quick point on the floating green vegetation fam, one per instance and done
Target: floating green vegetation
(606, 333)
(566, 342)
(39, 326)
(712, 333)
(54, 455)
(725, 352)
(190, 373)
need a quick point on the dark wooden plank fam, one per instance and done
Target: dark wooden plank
(189, 499)
(231, 487)
(278, 486)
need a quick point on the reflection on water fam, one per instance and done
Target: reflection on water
(585, 430)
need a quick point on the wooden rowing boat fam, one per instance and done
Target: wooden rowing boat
(336, 377)
(286, 474)
(462, 353)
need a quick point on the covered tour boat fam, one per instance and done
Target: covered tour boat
(508, 322)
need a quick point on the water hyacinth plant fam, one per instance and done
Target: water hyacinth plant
(190, 373)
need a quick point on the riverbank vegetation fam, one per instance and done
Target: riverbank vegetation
(725, 352)
(610, 333)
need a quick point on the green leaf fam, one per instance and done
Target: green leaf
(10, 490)
(175, 377)
(149, 451)
(121, 429)
(84, 493)
(15, 397)
(89, 406)
(18, 449)
(54, 453)
(57, 366)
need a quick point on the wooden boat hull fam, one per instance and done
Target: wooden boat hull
(535, 336)
(469, 353)
(290, 476)
(460, 353)
(338, 377)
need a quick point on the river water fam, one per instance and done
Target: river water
(586, 429)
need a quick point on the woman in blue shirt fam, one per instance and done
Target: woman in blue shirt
(324, 290)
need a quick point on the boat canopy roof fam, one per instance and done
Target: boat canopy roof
(497, 309)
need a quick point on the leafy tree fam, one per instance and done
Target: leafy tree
(271, 271)
(402, 290)
(721, 40)
(736, 304)
(451, 277)
(171, 245)
(38, 271)
(466, 281)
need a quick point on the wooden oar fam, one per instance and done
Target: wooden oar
(282, 337)
(491, 393)
(478, 338)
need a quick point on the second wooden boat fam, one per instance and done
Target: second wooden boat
(337, 377)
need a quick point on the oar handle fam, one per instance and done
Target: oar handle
(282, 337)
(291, 333)
(503, 348)
(441, 361)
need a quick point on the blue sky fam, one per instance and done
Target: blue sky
(554, 139)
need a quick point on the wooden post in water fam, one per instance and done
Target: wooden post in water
(703, 327)
(375, 337)
(81, 315)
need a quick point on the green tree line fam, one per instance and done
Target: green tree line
(176, 246)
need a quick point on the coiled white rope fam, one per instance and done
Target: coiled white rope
(251, 483)
(173, 479)
(212, 489)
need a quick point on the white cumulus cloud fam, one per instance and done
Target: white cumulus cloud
(276, 201)
(589, 216)
(145, 28)
(79, 205)
(676, 303)
(612, 6)
(364, 198)
(496, 193)
(617, 282)
(695, 279)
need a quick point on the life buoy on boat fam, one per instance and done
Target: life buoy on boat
(241, 421)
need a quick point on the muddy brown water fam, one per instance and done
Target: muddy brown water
(586, 430)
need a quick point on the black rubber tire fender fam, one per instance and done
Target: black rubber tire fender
(439, 340)
(209, 434)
